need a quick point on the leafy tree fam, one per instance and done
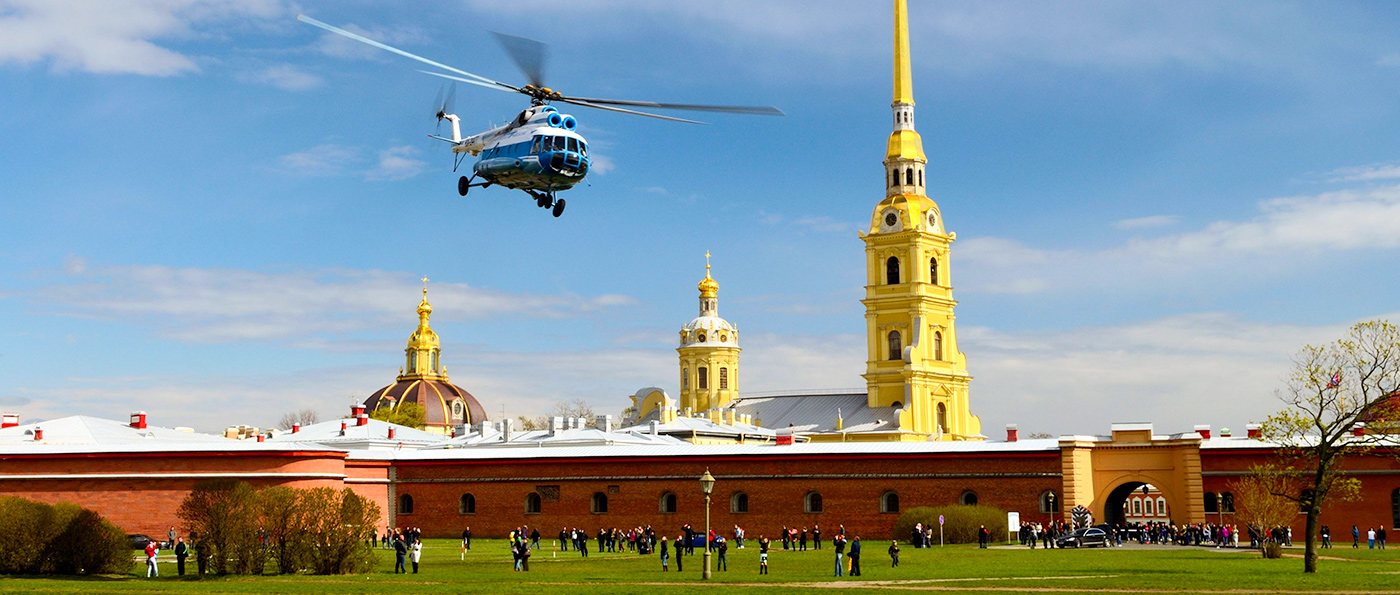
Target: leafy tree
(283, 520)
(1333, 388)
(38, 538)
(336, 526)
(224, 515)
(1261, 506)
(305, 416)
(406, 414)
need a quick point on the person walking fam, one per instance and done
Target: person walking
(466, 539)
(152, 550)
(400, 554)
(1371, 537)
(182, 551)
(1326, 537)
(983, 536)
(762, 555)
(665, 554)
(855, 556)
(170, 538)
(894, 553)
(723, 545)
(1380, 537)
(839, 542)
(415, 553)
(1355, 537)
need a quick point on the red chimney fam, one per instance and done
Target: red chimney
(296, 428)
(362, 419)
(1204, 431)
(391, 433)
(9, 420)
(261, 437)
(1012, 433)
(1252, 431)
(38, 433)
(356, 410)
(138, 420)
(1359, 429)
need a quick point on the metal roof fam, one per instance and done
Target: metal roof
(83, 434)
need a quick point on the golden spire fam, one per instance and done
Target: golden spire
(423, 337)
(708, 287)
(903, 80)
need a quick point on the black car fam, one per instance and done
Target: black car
(138, 541)
(1088, 537)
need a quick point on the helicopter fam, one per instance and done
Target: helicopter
(539, 151)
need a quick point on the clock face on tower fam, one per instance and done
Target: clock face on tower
(932, 221)
(890, 222)
(891, 219)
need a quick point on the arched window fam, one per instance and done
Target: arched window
(667, 504)
(405, 504)
(739, 502)
(532, 503)
(1049, 502)
(435, 361)
(1162, 506)
(897, 404)
(909, 176)
(466, 504)
(938, 345)
(723, 378)
(685, 378)
(813, 502)
(1212, 505)
(1395, 508)
(921, 177)
(942, 420)
(896, 345)
(412, 361)
(933, 271)
(892, 271)
(1137, 507)
(894, 177)
(600, 503)
(702, 377)
(1227, 502)
(968, 498)
(889, 503)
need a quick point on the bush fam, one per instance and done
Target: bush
(960, 522)
(337, 527)
(1272, 551)
(37, 538)
(223, 515)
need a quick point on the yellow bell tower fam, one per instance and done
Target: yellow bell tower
(709, 354)
(913, 360)
(424, 353)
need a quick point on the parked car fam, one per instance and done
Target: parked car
(1088, 537)
(138, 541)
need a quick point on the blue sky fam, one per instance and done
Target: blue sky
(217, 214)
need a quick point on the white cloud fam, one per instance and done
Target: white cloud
(815, 223)
(1147, 222)
(284, 76)
(1378, 171)
(321, 160)
(600, 164)
(212, 305)
(114, 36)
(396, 163)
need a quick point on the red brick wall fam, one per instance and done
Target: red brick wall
(1379, 474)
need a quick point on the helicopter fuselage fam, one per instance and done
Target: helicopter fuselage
(538, 151)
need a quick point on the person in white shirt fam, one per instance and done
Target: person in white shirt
(416, 553)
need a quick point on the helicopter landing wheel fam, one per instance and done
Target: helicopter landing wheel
(558, 207)
(463, 185)
(542, 201)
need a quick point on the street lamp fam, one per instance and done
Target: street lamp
(707, 485)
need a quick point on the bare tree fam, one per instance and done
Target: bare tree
(305, 417)
(1334, 388)
(1261, 506)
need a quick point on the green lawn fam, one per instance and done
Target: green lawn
(488, 569)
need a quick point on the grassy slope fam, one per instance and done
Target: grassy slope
(488, 567)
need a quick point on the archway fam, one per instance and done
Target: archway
(1138, 502)
(1113, 505)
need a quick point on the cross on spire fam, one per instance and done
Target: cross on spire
(425, 284)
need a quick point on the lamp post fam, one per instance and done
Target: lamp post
(707, 484)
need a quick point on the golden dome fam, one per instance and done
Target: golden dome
(423, 337)
(708, 287)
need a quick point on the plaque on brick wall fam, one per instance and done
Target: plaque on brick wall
(612, 490)
(548, 493)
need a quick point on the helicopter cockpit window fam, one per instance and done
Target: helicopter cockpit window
(573, 144)
(559, 143)
(536, 147)
(583, 147)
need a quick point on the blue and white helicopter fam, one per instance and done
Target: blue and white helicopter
(540, 150)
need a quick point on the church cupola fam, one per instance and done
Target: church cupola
(424, 350)
(709, 353)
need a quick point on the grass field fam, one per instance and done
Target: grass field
(488, 569)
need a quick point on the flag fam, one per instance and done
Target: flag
(1335, 381)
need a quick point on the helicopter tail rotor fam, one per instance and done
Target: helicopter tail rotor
(443, 104)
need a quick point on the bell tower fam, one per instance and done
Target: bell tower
(423, 356)
(709, 353)
(913, 361)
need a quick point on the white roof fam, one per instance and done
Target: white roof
(493, 439)
(83, 434)
(373, 435)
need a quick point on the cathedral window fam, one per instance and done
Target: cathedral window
(938, 345)
(895, 345)
(702, 377)
(933, 270)
(1227, 502)
(892, 271)
(909, 176)
(685, 379)
(942, 418)
(1049, 504)
(724, 378)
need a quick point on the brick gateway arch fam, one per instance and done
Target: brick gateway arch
(1099, 472)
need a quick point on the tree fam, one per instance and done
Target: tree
(337, 526)
(406, 414)
(1261, 506)
(1332, 389)
(283, 519)
(305, 416)
(223, 514)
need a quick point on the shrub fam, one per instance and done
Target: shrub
(37, 538)
(224, 514)
(337, 527)
(960, 522)
(90, 545)
(1272, 551)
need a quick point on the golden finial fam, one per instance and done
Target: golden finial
(708, 286)
(425, 285)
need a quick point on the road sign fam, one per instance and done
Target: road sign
(940, 519)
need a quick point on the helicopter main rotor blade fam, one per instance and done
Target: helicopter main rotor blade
(480, 79)
(528, 54)
(625, 111)
(755, 110)
(497, 86)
